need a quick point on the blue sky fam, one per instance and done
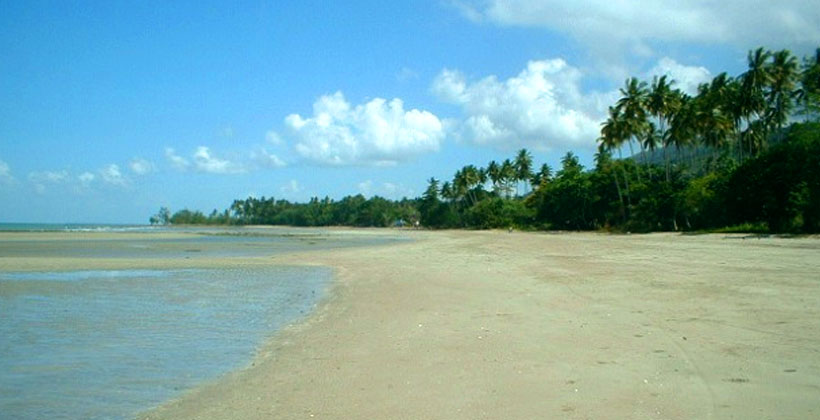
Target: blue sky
(109, 110)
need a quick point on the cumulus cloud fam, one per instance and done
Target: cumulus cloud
(542, 107)
(266, 159)
(50, 176)
(41, 180)
(141, 166)
(177, 162)
(86, 178)
(203, 160)
(273, 138)
(112, 175)
(687, 78)
(5, 174)
(604, 23)
(379, 132)
(207, 162)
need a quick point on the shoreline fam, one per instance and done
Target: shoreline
(45, 252)
(486, 324)
(490, 324)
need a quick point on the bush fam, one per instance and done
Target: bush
(782, 186)
(493, 213)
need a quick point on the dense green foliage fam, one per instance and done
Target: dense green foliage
(782, 187)
(350, 211)
(730, 158)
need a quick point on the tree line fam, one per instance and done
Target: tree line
(743, 154)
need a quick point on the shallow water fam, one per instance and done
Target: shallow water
(190, 244)
(109, 344)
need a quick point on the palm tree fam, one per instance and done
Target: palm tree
(612, 138)
(632, 107)
(652, 138)
(603, 163)
(447, 191)
(507, 176)
(431, 193)
(731, 103)
(459, 185)
(466, 180)
(662, 103)
(482, 178)
(715, 123)
(809, 93)
(783, 76)
(429, 207)
(543, 176)
(752, 98)
(494, 173)
(523, 167)
(570, 165)
(683, 124)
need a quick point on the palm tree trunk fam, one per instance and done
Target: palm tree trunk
(645, 162)
(626, 184)
(620, 196)
(631, 156)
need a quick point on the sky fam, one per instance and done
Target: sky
(111, 109)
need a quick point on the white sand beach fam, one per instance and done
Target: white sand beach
(531, 325)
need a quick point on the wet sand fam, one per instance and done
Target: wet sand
(529, 325)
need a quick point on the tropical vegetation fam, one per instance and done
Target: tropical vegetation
(743, 153)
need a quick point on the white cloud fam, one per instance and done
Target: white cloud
(366, 187)
(379, 132)
(291, 187)
(604, 24)
(51, 176)
(206, 162)
(273, 138)
(267, 159)
(386, 189)
(468, 10)
(687, 78)
(41, 180)
(141, 166)
(112, 175)
(178, 162)
(86, 178)
(542, 107)
(5, 174)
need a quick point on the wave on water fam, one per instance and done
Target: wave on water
(77, 227)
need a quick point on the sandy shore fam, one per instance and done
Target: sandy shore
(494, 325)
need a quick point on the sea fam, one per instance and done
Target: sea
(81, 227)
(109, 344)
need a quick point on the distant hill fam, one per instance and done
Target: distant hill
(693, 159)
